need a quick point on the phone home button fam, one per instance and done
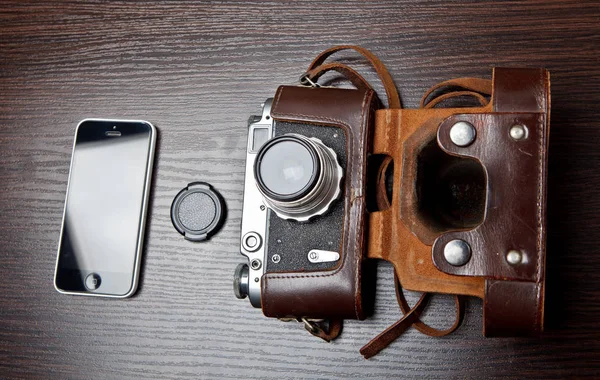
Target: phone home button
(92, 281)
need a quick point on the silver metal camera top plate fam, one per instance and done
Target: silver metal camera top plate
(254, 212)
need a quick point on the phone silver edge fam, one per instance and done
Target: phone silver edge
(140, 241)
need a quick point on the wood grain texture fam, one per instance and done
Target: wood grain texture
(198, 70)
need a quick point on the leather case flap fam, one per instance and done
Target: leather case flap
(516, 179)
(514, 198)
(332, 293)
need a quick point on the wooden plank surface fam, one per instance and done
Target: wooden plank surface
(198, 70)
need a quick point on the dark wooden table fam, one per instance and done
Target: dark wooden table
(198, 71)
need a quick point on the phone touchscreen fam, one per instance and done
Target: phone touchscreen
(104, 211)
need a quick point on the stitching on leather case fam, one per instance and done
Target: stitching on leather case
(363, 140)
(537, 307)
(540, 207)
(333, 120)
(544, 100)
(277, 98)
(542, 119)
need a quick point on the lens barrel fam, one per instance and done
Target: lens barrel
(298, 176)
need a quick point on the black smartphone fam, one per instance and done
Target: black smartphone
(100, 246)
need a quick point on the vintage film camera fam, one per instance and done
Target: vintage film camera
(303, 222)
(460, 196)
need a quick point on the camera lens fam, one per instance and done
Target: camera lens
(298, 176)
(287, 168)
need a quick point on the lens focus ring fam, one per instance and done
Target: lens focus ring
(299, 177)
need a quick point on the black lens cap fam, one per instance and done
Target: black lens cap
(197, 212)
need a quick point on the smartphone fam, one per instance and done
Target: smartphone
(102, 234)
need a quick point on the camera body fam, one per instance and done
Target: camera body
(303, 220)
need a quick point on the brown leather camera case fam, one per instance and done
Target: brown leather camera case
(513, 203)
(332, 293)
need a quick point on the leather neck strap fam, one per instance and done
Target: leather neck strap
(474, 87)
(318, 68)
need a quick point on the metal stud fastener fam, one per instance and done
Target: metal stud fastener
(518, 132)
(457, 252)
(514, 257)
(275, 258)
(463, 133)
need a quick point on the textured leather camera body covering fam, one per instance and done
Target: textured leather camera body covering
(334, 292)
(514, 202)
